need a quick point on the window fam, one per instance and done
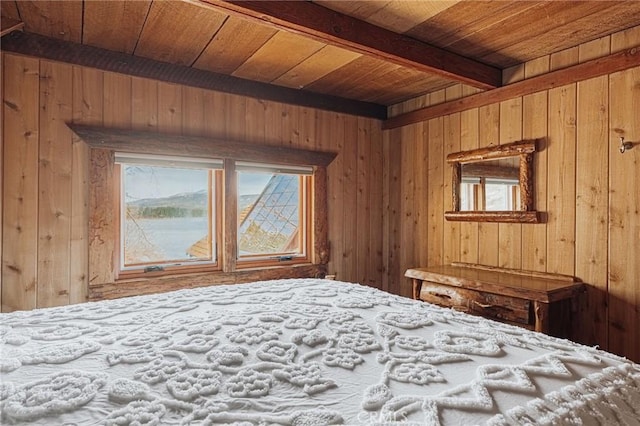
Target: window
(205, 263)
(272, 212)
(167, 212)
(502, 194)
(170, 214)
(489, 194)
(470, 198)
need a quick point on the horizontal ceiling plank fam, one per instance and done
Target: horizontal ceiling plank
(177, 32)
(282, 52)
(125, 24)
(321, 63)
(467, 19)
(619, 61)
(331, 27)
(9, 9)
(106, 60)
(572, 31)
(60, 19)
(8, 25)
(236, 41)
(401, 16)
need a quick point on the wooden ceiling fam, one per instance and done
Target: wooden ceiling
(224, 38)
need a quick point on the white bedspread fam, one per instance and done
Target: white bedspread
(298, 352)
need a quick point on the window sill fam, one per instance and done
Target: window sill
(134, 274)
(158, 284)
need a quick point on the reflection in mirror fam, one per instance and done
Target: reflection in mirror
(492, 185)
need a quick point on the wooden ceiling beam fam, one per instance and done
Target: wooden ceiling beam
(107, 60)
(334, 28)
(615, 62)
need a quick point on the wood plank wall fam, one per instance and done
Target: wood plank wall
(45, 168)
(590, 192)
(387, 190)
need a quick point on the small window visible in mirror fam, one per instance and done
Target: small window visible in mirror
(470, 196)
(494, 184)
(501, 195)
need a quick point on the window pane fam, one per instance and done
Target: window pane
(467, 196)
(498, 197)
(269, 207)
(166, 215)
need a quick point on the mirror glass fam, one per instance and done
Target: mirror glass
(490, 185)
(494, 184)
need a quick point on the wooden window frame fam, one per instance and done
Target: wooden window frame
(103, 282)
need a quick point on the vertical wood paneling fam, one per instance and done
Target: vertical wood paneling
(307, 123)
(54, 186)
(335, 198)
(273, 125)
(213, 106)
(100, 98)
(350, 210)
(169, 108)
(592, 165)
(363, 203)
(451, 242)
(193, 122)
(20, 191)
(386, 217)
(375, 263)
(624, 206)
(289, 118)
(87, 109)
(534, 126)
(510, 243)
(116, 110)
(488, 233)
(586, 189)
(469, 128)
(399, 172)
(436, 185)
(254, 120)
(234, 116)
(392, 245)
(407, 212)
(421, 186)
(273, 131)
(561, 172)
(144, 104)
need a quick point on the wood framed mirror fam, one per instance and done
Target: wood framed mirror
(494, 184)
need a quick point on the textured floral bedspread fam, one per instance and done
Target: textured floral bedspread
(298, 352)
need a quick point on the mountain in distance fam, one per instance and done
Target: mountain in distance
(188, 200)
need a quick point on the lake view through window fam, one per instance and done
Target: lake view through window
(166, 211)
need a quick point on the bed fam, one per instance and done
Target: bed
(298, 352)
